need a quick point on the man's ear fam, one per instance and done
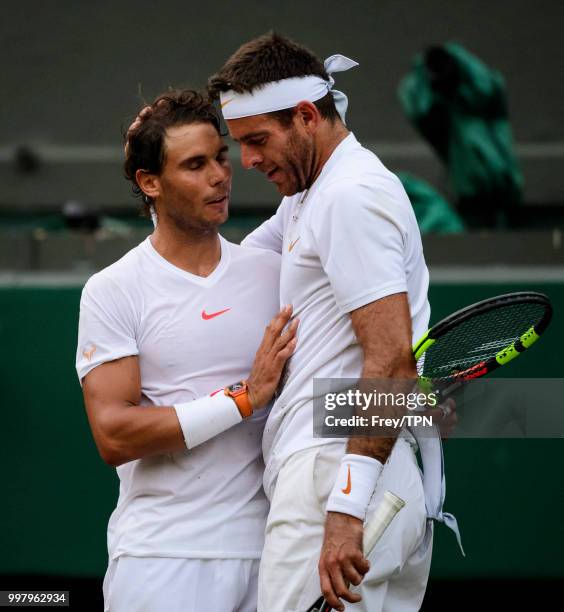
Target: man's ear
(308, 115)
(149, 183)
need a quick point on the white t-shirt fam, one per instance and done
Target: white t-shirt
(348, 241)
(193, 335)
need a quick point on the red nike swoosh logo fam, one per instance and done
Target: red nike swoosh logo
(348, 488)
(212, 315)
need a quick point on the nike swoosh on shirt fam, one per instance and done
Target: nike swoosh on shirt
(293, 244)
(348, 488)
(212, 315)
(223, 104)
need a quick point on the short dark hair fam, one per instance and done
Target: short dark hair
(271, 57)
(145, 148)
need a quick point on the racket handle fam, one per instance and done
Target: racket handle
(390, 505)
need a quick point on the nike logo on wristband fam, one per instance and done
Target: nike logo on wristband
(212, 315)
(348, 488)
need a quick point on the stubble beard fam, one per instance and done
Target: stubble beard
(299, 161)
(192, 228)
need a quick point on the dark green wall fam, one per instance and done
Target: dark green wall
(57, 494)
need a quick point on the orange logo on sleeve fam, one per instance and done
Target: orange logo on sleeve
(348, 488)
(88, 353)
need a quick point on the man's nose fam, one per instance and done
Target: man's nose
(250, 157)
(221, 173)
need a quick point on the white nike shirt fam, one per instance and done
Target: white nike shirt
(193, 335)
(348, 241)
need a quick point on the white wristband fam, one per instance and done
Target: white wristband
(355, 485)
(206, 417)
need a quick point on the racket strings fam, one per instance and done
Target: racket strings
(478, 338)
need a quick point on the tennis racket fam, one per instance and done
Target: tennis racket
(390, 505)
(480, 338)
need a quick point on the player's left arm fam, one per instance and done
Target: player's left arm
(364, 242)
(383, 329)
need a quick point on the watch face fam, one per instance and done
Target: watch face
(236, 387)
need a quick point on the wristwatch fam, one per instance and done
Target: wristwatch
(239, 392)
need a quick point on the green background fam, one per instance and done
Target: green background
(58, 494)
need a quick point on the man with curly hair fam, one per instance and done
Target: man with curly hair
(162, 332)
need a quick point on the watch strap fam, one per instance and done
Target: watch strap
(239, 392)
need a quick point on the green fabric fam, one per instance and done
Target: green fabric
(434, 214)
(467, 126)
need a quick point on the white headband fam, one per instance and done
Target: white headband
(286, 93)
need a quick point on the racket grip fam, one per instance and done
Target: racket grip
(374, 528)
(390, 505)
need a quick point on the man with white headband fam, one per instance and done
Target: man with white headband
(353, 269)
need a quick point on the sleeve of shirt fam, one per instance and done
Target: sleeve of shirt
(106, 329)
(360, 240)
(270, 234)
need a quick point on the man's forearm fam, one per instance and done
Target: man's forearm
(401, 368)
(377, 448)
(125, 431)
(129, 432)
(134, 432)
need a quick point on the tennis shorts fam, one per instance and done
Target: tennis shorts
(399, 564)
(164, 584)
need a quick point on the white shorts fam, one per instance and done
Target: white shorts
(164, 584)
(400, 562)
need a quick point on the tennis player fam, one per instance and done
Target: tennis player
(354, 271)
(179, 317)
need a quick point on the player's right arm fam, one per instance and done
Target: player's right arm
(122, 429)
(108, 368)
